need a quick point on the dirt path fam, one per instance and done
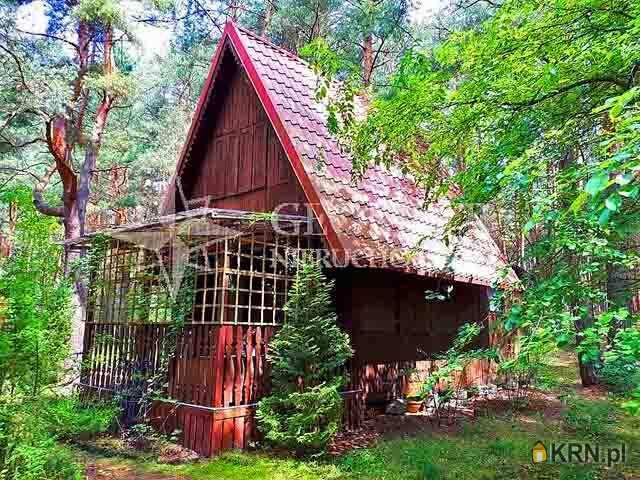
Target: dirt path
(105, 469)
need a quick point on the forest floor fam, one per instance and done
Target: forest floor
(495, 444)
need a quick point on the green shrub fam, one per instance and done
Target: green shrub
(306, 357)
(36, 303)
(305, 421)
(31, 432)
(619, 375)
(41, 458)
(36, 308)
(632, 404)
(546, 379)
(620, 370)
(28, 450)
(67, 419)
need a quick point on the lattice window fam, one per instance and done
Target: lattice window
(245, 280)
(240, 280)
(128, 287)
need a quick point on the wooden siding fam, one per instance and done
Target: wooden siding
(394, 329)
(390, 319)
(214, 365)
(223, 368)
(215, 379)
(238, 161)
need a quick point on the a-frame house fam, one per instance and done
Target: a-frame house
(259, 143)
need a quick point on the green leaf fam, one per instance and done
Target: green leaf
(597, 183)
(621, 102)
(529, 226)
(563, 339)
(514, 318)
(621, 156)
(579, 202)
(613, 202)
(605, 215)
(616, 110)
(631, 193)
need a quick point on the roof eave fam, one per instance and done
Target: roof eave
(195, 120)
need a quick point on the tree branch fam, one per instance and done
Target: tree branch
(46, 35)
(566, 88)
(20, 171)
(7, 141)
(38, 198)
(19, 65)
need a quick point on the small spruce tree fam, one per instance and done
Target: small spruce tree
(307, 356)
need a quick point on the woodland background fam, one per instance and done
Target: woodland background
(525, 113)
(86, 93)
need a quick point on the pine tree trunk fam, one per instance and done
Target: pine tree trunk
(117, 189)
(367, 60)
(269, 10)
(64, 132)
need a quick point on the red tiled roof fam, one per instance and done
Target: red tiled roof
(378, 217)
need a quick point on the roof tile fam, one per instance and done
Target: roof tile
(380, 214)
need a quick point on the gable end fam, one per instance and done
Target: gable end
(236, 160)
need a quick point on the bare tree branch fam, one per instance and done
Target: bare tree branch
(19, 65)
(52, 37)
(38, 198)
(7, 141)
(21, 171)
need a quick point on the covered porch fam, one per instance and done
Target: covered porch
(179, 315)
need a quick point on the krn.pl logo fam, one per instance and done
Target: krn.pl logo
(539, 453)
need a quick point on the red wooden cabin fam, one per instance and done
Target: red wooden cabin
(259, 142)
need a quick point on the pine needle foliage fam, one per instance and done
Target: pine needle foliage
(307, 357)
(310, 348)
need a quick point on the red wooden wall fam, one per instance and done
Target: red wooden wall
(220, 372)
(394, 328)
(390, 319)
(215, 378)
(237, 162)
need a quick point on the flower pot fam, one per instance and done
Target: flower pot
(411, 389)
(414, 406)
